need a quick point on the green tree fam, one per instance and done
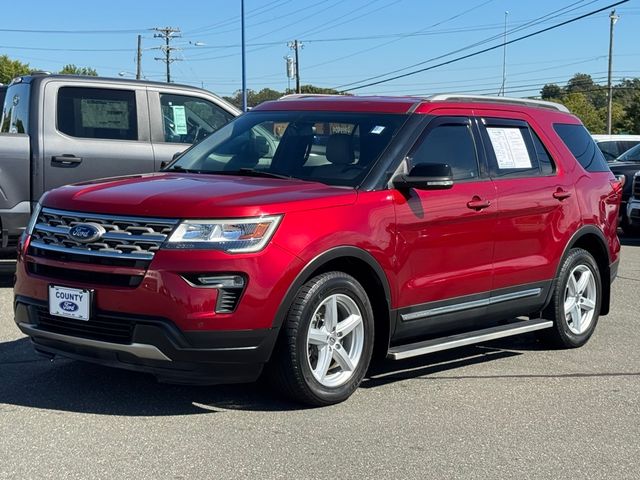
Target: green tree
(312, 89)
(71, 69)
(581, 106)
(631, 121)
(9, 69)
(551, 90)
(254, 98)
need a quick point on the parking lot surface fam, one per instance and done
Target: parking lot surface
(506, 409)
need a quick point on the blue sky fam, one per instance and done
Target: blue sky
(345, 41)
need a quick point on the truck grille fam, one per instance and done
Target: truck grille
(635, 191)
(127, 241)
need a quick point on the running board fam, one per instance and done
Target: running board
(477, 336)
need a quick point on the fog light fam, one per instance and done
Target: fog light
(229, 287)
(220, 281)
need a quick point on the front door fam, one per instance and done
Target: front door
(445, 237)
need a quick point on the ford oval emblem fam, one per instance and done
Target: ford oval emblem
(69, 306)
(86, 232)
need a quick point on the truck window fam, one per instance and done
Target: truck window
(97, 113)
(189, 119)
(15, 113)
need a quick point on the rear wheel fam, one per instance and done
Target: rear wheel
(575, 305)
(326, 342)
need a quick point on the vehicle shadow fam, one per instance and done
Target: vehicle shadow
(630, 241)
(29, 380)
(6, 275)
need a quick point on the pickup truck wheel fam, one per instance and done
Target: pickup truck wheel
(575, 304)
(326, 342)
(629, 230)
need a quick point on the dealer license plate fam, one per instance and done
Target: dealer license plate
(70, 302)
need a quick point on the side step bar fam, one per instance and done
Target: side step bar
(469, 338)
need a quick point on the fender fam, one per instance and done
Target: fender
(606, 281)
(319, 261)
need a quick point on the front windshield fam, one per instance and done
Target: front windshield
(330, 147)
(631, 155)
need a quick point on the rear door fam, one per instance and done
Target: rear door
(94, 130)
(181, 118)
(537, 212)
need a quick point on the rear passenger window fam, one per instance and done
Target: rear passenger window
(97, 113)
(451, 144)
(584, 149)
(511, 149)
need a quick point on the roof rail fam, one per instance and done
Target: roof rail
(293, 96)
(489, 99)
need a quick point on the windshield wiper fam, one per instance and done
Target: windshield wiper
(178, 168)
(250, 172)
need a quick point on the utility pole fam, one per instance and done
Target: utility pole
(167, 33)
(296, 46)
(504, 56)
(244, 64)
(613, 18)
(139, 59)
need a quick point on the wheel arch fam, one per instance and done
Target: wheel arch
(591, 239)
(361, 265)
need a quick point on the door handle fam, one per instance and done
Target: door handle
(561, 194)
(477, 203)
(65, 161)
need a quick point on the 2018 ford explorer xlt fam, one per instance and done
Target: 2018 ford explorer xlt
(314, 231)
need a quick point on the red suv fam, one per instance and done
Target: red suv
(315, 231)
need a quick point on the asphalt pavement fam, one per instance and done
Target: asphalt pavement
(510, 408)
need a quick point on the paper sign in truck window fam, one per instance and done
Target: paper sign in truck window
(179, 119)
(509, 147)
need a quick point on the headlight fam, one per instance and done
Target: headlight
(235, 236)
(34, 218)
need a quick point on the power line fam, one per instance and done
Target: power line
(536, 21)
(464, 57)
(82, 32)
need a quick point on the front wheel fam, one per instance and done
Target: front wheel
(575, 305)
(326, 342)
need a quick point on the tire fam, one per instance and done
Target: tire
(320, 360)
(575, 305)
(629, 230)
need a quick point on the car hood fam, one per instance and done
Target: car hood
(179, 195)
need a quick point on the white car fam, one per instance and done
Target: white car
(612, 146)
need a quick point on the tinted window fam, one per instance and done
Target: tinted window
(612, 149)
(190, 119)
(510, 148)
(451, 144)
(547, 167)
(15, 113)
(97, 113)
(334, 148)
(631, 155)
(582, 146)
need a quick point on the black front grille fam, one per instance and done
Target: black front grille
(83, 276)
(100, 327)
(635, 191)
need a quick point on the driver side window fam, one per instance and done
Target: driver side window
(451, 144)
(188, 119)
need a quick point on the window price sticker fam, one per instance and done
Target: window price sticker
(509, 147)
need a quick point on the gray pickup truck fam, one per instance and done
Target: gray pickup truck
(60, 129)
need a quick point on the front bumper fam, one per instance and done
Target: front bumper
(154, 345)
(633, 212)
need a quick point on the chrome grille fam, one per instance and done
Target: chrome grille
(127, 238)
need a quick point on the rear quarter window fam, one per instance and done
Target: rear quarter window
(582, 146)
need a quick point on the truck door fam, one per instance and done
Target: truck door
(94, 130)
(179, 119)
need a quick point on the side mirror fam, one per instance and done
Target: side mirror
(425, 176)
